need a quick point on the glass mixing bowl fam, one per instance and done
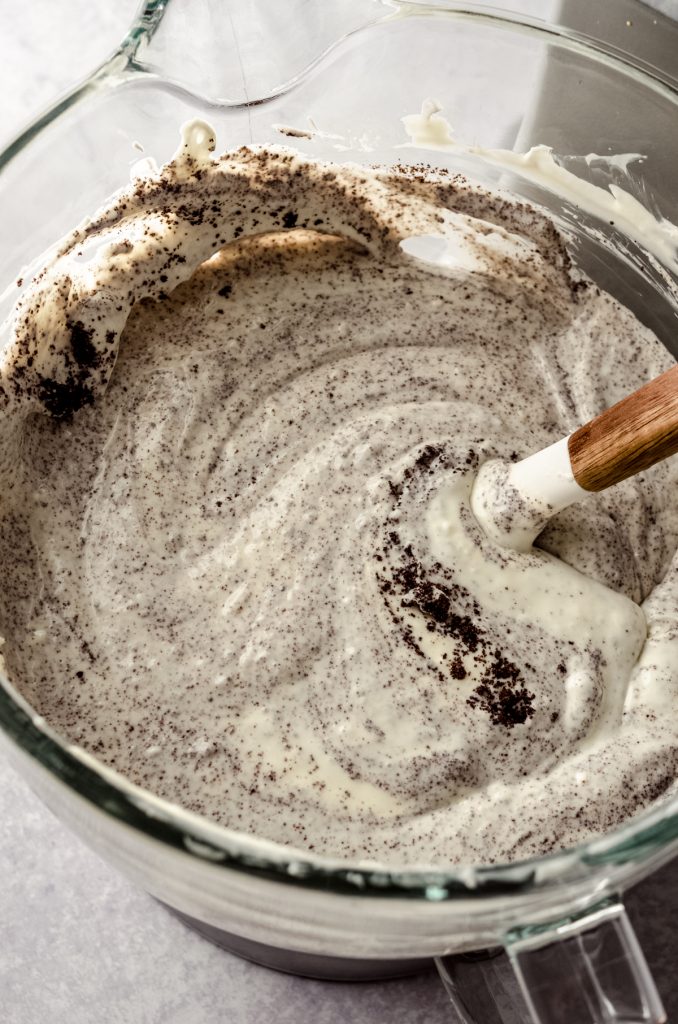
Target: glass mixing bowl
(356, 69)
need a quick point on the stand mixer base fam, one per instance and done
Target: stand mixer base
(306, 965)
(476, 998)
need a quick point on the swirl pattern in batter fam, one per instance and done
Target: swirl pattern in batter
(239, 428)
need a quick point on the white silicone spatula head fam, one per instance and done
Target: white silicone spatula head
(514, 501)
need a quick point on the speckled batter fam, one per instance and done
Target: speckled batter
(238, 559)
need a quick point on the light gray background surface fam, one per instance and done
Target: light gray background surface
(79, 944)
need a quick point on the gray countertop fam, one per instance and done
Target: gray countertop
(78, 943)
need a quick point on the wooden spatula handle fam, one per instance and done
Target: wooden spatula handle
(629, 437)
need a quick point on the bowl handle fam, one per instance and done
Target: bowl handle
(587, 969)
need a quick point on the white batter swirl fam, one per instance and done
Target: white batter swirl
(238, 559)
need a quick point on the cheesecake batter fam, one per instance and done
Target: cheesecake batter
(239, 426)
